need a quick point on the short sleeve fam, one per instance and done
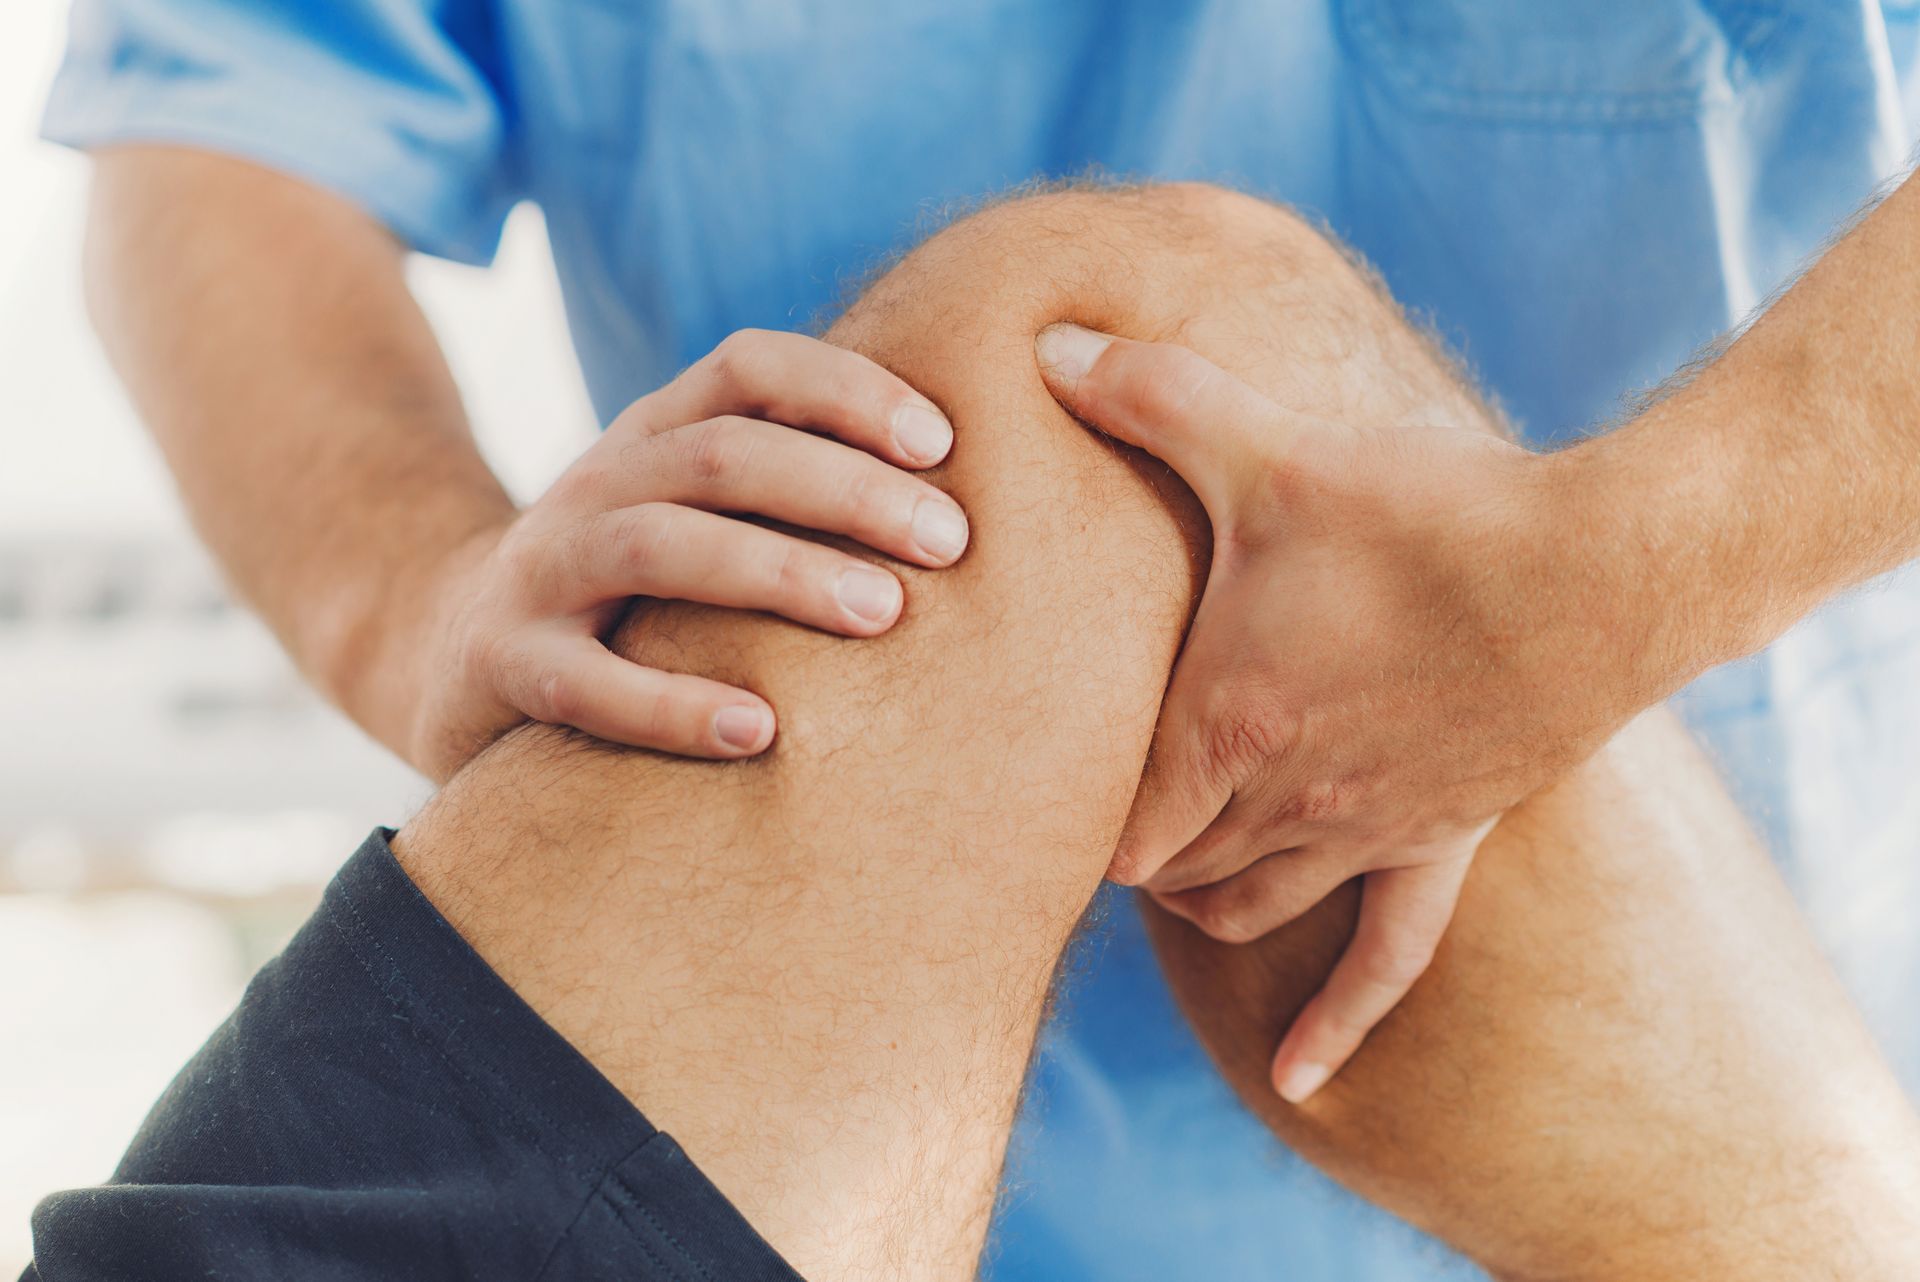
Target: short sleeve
(394, 104)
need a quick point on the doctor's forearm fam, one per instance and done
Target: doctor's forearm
(265, 332)
(1788, 470)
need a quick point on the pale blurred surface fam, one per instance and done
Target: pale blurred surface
(171, 797)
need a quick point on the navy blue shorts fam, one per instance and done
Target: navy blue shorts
(382, 1105)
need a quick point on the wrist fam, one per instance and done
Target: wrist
(1666, 513)
(375, 637)
(1636, 572)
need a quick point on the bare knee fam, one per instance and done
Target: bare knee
(1247, 283)
(1250, 284)
(957, 318)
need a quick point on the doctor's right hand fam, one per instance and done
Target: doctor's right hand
(521, 615)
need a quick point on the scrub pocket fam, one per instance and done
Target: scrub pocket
(1558, 61)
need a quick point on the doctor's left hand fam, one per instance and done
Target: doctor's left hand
(1381, 664)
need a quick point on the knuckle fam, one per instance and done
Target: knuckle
(645, 532)
(724, 357)
(570, 552)
(558, 698)
(1322, 802)
(847, 381)
(1240, 740)
(635, 457)
(718, 449)
(519, 561)
(1396, 965)
(1345, 1026)
(647, 719)
(661, 713)
(736, 357)
(864, 500)
(790, 570)
(1286, 483)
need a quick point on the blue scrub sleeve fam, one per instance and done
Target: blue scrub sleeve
(394, 104)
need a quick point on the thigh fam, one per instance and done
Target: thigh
(1628, 1060)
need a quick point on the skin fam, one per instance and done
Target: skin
(821, 969)
(265, 331)
(1380, 665)
(1281, 488)
(1673, 1089)
(1365, 600)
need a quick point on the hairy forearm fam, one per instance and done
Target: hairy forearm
(266, 334)
(1789, 468)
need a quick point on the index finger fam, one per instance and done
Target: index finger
(1403, 914)
(802, 382)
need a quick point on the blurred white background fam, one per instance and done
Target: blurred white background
(171, 798)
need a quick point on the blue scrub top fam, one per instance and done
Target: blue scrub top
(1579, 193)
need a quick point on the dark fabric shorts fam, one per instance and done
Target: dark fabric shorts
(382, 1105)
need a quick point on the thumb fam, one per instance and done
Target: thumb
(1177, 405)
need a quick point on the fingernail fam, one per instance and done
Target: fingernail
(872, 594)
(939, 529)
(1302, 1080)
(922, 434)
(1068, 351)
(743, 727)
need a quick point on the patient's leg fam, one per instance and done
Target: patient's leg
(1628, 1060)
(821, 970)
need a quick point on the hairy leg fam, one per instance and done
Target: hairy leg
(822, 970)
(1628, 1061)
